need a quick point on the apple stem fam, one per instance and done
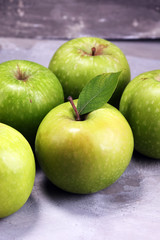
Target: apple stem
(93, 51)
(74, 107)
(21, 75)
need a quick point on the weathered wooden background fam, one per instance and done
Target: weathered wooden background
(65, 19)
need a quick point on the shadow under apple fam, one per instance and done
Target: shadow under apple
(18, 224)
(144, 161)
(125, 191)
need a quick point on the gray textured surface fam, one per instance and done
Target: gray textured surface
(129, 209)
(52, 19)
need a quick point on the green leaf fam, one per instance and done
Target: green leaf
(97, 92)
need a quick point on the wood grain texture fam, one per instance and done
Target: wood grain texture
(65, 19)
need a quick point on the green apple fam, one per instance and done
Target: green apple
(140, 104)
(84, 156)
(17, 170)
(79, 60)
(28, 91)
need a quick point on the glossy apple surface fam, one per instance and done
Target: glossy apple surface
(74, 65)
(84, 156)
(28, 91)
(140, 104)
(17, 170)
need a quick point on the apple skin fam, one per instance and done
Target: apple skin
(25, 102)
(17, 170)
(84, 156)
(74, 65)
(140, 104)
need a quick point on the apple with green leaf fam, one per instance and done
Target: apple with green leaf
(28, 91)
(140, 104)
(85, 146)
(79, 60)
(17, 170)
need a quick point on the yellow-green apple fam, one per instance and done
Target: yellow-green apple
(17, 170)
(140, 104)
(28, 91)
(84, 156)
(79, 60)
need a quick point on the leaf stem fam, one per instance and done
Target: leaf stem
(74, 107)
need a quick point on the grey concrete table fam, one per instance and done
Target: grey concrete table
(127, 210)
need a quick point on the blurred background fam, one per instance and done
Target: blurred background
(66, 19)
